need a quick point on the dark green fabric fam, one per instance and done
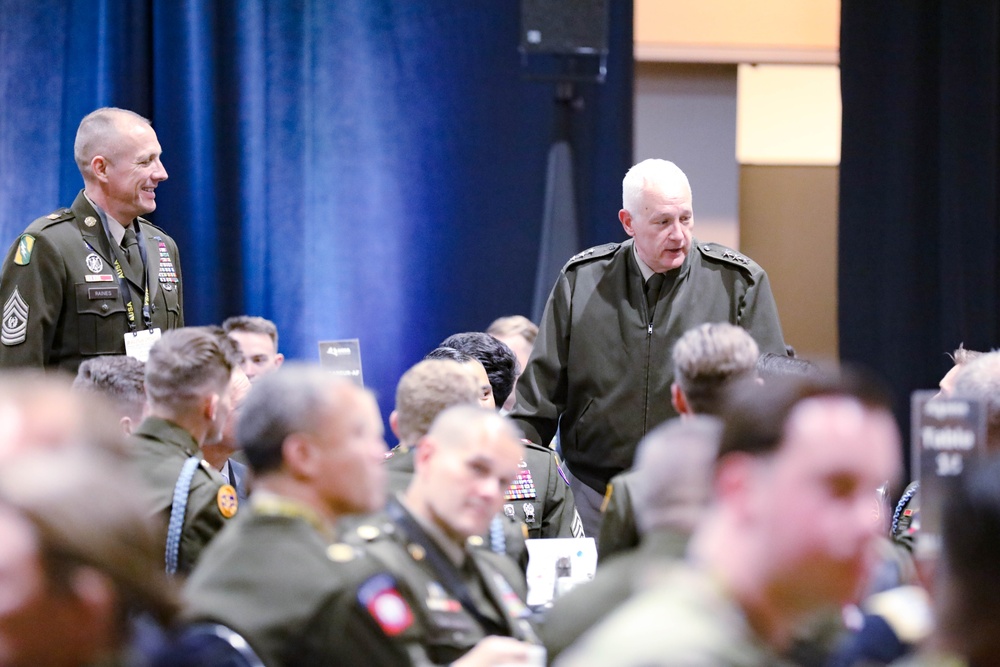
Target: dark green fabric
(598, 372)
(159, 449)
(66, 323)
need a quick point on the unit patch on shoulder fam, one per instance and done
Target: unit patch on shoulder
(385, 604)
(227, 501)
(15, 320)
(24, 247)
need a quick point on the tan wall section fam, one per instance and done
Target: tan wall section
(734, 31)
(788, 223)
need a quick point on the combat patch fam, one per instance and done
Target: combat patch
(385, 604)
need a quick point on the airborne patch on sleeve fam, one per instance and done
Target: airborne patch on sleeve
(15, 320)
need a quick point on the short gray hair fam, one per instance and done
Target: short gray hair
(672, 476)
(659, 174)
(707, 358)
(980, 379)
(291, 400)
(100, 134)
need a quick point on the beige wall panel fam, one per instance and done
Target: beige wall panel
(734, 31)
(788, 223)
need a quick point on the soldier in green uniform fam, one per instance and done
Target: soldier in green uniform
(672, 493)
(83, 280)
(189, 379)
(788, 535)
(452, 599)
(600, 368)
(278, 576)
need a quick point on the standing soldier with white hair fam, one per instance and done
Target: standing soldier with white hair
(600, 368)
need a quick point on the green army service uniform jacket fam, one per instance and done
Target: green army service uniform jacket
(159, 449)
(61, 296)
(601, 367)
(399, 594)
(270, 577)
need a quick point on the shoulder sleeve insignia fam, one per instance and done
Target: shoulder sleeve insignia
(25, 245)
(15, 320)
(227, 501)
(386, 605)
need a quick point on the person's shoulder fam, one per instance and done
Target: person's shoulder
(592, 255)
(716, 253)
(54, 222)
(153, 230)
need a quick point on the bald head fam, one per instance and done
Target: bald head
(463, 466)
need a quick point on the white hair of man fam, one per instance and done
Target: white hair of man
(653, 173)
(980, 379)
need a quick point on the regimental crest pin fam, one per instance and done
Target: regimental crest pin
(94, 263)
(15, 320)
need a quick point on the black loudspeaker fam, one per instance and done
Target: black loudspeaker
(565, 27)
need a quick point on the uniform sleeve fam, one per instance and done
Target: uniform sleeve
(202, 522)
(618, 529)
(180, 285)
(541, 389)
(32, 297)
(759, 316)
(560, 518)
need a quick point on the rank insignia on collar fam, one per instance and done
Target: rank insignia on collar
(15, 320)
(25, 245)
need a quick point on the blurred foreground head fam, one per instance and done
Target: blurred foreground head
(79, 560)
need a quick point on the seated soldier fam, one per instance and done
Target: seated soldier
(189, 388)
(518, 333)
(707, 359)
(423, 392)
(314, 443)
(422, 584)
(257, 339)
(540, 497)
(671, 492)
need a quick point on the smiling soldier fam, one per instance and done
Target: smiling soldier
(95, 278)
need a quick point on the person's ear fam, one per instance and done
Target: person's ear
(679, 400)
(626, 219)
(394, 423)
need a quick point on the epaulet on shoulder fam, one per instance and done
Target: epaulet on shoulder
(149, 224)
(55, 217)
(591, 253)
(721, 253)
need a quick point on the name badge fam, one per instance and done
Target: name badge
(138, 344)
(95, 293)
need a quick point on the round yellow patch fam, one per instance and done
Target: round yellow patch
(227, 501)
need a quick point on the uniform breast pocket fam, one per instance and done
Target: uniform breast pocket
(168, 308)
(101, 319)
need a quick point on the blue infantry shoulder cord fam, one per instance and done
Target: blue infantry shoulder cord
(177, 509)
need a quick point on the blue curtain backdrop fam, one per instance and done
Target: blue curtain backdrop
(358, 168)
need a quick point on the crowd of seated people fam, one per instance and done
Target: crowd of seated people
(216, 506)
